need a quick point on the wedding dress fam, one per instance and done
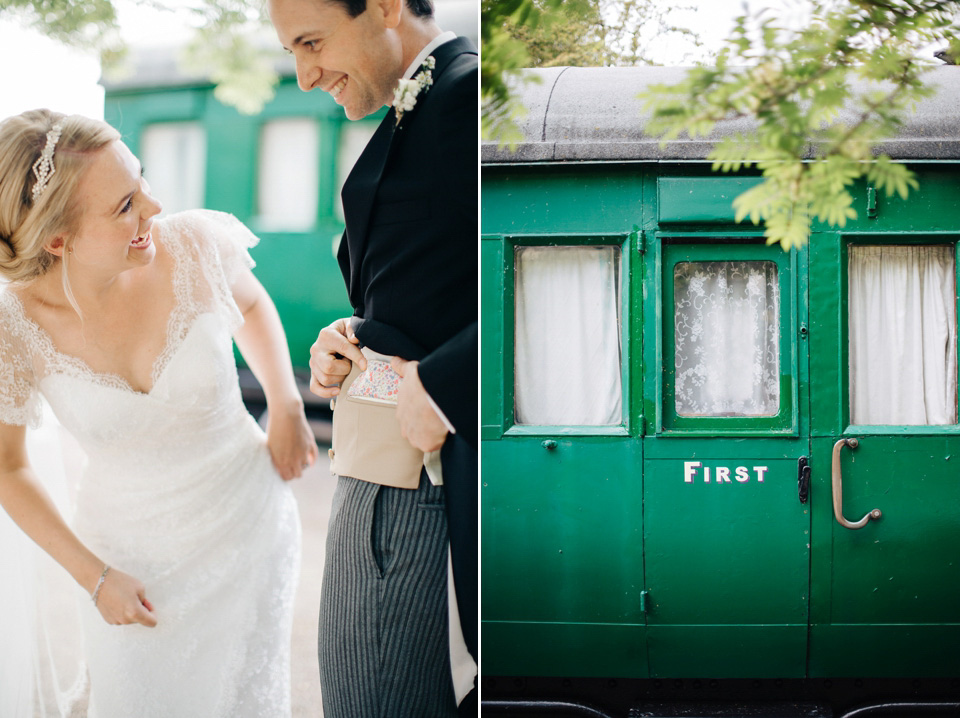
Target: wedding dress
(178, 491)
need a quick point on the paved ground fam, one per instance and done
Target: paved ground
(314, 492)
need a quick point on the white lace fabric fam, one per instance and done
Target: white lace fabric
(726, 338)
(179, 491)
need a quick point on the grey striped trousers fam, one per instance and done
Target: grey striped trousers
(383, 640)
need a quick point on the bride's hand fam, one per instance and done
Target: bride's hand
(290, 440)
(122, 600)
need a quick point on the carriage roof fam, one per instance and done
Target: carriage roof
(593, 114)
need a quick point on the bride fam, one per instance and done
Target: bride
(184, 537)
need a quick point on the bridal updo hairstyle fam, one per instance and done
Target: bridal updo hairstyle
(27, 225)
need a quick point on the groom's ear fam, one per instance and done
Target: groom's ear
(391, 10)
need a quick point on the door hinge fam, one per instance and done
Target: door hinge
(803, 479)
(641, 236)
(871, 203)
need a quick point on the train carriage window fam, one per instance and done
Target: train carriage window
(568, 336)
(902, 335)
(727, 338)
(287, 186)
(174, 158)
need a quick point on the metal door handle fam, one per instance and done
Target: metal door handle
(837, 481)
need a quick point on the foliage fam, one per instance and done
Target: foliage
(820, 97)
(224, 46)
(501, 53)
(516, 34)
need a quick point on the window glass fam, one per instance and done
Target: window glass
(568, 338)
(902, 335)
(288, 177)
(727, 338)
(174, 157)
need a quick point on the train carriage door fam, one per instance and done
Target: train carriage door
(561, 491)
(726, 524)
(885, 566)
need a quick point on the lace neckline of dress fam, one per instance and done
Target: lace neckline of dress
(75, 366)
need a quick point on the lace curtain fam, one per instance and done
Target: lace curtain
(727, 338)
(902, 333)
(567, 356)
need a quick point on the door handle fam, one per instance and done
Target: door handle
(837, 482)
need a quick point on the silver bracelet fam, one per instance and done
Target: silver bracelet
(103, 577)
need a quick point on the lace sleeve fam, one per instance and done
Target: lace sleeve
(19, 399)
(233, 240)
(218, 244)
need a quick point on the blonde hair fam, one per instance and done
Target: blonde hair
(27, 225)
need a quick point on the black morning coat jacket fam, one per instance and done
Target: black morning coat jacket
(409, 259)
(409, 252)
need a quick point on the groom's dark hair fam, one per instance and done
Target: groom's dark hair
(420, 8)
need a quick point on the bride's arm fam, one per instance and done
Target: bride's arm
(121, 598)
(264, 346)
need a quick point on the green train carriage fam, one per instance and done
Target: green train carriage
(669, 407)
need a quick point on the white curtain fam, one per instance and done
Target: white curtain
(567, 357)
(288, 175)
(174, 156)
(727, 338)
(903, 325)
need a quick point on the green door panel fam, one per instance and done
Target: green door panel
(884, 651)
(884, 598)
(737, 651)
(901, 568)
(562, 554)
(726, 562)
(606, 650)
(576, 513)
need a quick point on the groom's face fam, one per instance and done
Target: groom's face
(357, 60)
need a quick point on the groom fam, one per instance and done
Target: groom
(407, 475)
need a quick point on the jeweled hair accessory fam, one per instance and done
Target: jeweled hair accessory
(43, 168)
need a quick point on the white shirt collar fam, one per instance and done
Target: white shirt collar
(428, 48)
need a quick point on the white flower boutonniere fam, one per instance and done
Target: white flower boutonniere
(405, 96)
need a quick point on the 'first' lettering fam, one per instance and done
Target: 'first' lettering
(721, 474)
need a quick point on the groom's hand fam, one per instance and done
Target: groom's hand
(331, 357)
(419, 423)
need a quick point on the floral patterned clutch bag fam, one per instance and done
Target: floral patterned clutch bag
(377, 384)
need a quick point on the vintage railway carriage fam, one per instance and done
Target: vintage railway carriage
(670, 409)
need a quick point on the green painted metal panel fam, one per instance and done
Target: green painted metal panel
(700, 199)
(564, 649)
(130, 109)
(934, 207)
(884, 651)
(562, 530)
(737, 527)
(726, 543)
(883, 597)
(739, 651)
(555, 200)
(492, 337)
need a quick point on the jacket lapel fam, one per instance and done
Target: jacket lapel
(359, 191)
(360, 188)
